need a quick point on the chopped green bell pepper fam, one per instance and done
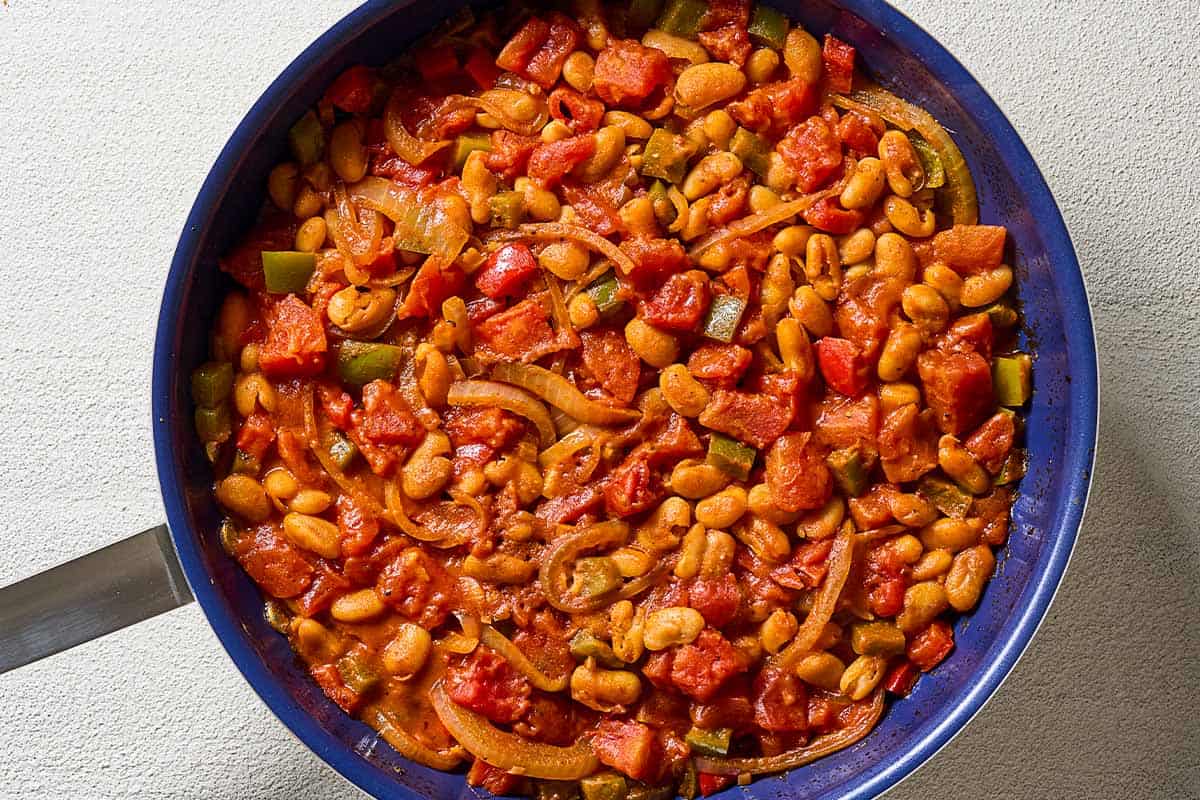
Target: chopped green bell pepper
(595, 576)
(508, 209)
(277, 616)
(848, 471)
(605, 293)
(723, 317)
(665, 156)
(287, 270)
(466, 144)
(931, 162)
(689, 782)
(731, 456)
(604, 786)
(342, 450)
(213, 424)
(211, 383)
(585, 645)
(244, 463)
(753, 150)
(948, 498)
(356, 673)
(642, 13)
(877, 639)
(359, 363)
(1011, 379)
(709, 743)
(307, 139)
(683, 17)
(1002, 315)
(768, 27)
(556, 790)
(1013, 468)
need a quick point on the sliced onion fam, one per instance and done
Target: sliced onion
(562, 394)
(549, 231)
(406, 745)
(404, 144)
(764, 219)
(960, 186)
(422, 226)
(841, 556)
(362, 245)
(567, 446)
(509, 398)
(564, 550)
(464, 642)
(520, 662)
(508, 751)
(818, 748)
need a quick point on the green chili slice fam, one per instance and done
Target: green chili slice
(723, 317)
(848, 470)
(287, 271)
(307, 139)
(605, 293)
(211, 383)
(931, 162)
(665, 156)
(585, 645)
(508, 209)
(753, 150)
(466, 144)
(731, 456)
(356, 673)
(768, 27)
(342, 450)
(683, 17)
(1011, 379)
(213, 424)
(710, 743)
(360, 363)
(877, 639)
(948, 498)
(1013, 468)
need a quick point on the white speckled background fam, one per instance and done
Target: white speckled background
(110, 116)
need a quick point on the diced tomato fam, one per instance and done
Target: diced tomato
(326, 586)
(780, 701)
(822, 713)
(958, 387)
(874, 508)
(256, 435)
(612, 362)
(929, 647)
(858, 134)
(728, 202)
(295, 345)
(839, 64)
(634, 485)
(580, 114)
(336, 404)
(480, 308)
(488, 425)
(510, 153)
(907, 444)
(492, 779)
(514, 333)
(627, 73)
(628, 746)
(901, 679)
(992, 441)
(653, 259)
(993, 510)
(972, 333)
(330, 680)
(244, 262)
(717, 361)
(487, 684)
(730, 42)
(551, 161)
(680, 303)
(886, 598)
(970, 249)
(506, 271)
(755, 419)
(593, 205)
(700, 668)
(724, 12)
(449, 119)
(358, 525)
(710, 784)
(386, 418)
(864, 308)
(537, 51)
(482, 68)
(570, 507)
(842, 423)
(353, 90)
(395, 168)
(675, 441)
(417, 586)
(551, 718)
(775, 107)
(433, 283)
(843, 366)
(717, 599)
(796, 473)
(829, 216)
(814, 152)
(436, 61)
(293, 452)
(273, 562)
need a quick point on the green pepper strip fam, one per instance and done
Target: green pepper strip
(211, 383)
(931, 162)
(342, 450)
(466, 144)
(287, 271)
(358, 676)
(604, 786)
(710, 742)
(847, 468)
(585, 645)
(1013, 468)
(359, 363)
(723, 317)
(768, 27)
(307, 140)
(752, 149)
(213, 424)
(665, 156)
(508, 209)
(731, 456)
(605, 293)
(1011, 379)
(683, 17)
(949, 499)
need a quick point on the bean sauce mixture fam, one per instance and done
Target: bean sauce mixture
(617, 403)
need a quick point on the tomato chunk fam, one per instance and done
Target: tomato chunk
(907, 444)
(929, 647)
(754, 419)
(797, 474)
(510, 153)
(506, 271)
(417, 587)
(958, 387)
(843, 366)
(256, 435)
(330, 681)
(580, 114)
(483, 71)
(634, 485)
(273, 562)
(839, 64)
(550, 162)
(353, 90)
(699, 669)
(829, 216)
(514, 333)
(775, 107)
(487, 684)
(537, 51)
(627, 73)
(358, 525)
(730, 42)
(813, 151)
(612, 362)
(717, 599)
(629, 747)
(386, 418)
(780, 702)
(295, 345)
(653, 259)
(845, 423)
(858, 133)
(716, 361)
(970, 249)
(992, 441)
(680, 303)
(433, 283)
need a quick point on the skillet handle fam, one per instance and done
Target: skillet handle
(96, 594)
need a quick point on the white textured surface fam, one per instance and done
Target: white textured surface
(110, 115)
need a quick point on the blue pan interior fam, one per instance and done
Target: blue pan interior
(1061, 421)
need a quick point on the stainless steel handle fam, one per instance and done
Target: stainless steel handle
(101, 592)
